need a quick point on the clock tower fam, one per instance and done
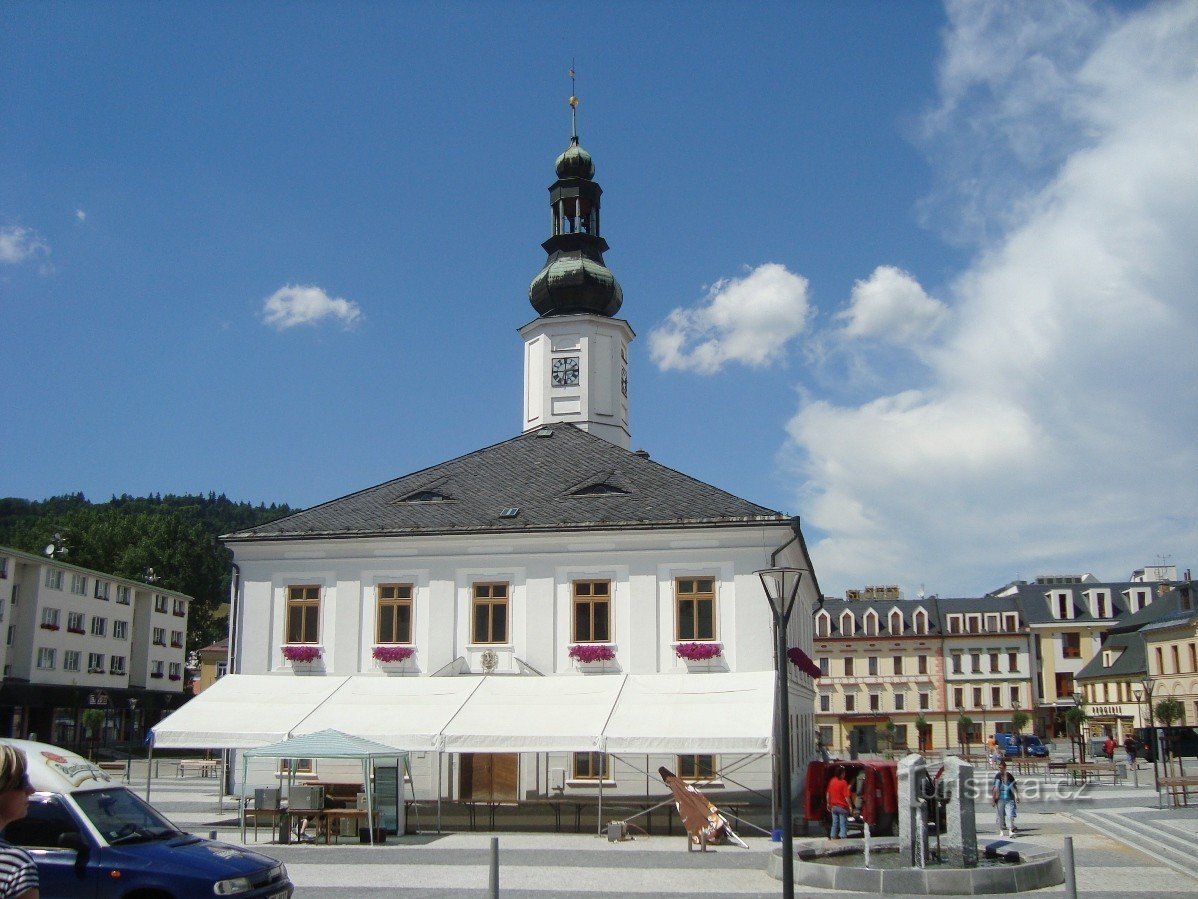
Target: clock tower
(576, 351)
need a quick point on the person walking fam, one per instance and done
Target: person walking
(1108, 748)
(18, 872)
(1003, 794)
(1129, 746)
(839, 803)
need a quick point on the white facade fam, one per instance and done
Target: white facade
(576, 370)
(643, 568)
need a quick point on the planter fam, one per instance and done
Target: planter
(301, 653)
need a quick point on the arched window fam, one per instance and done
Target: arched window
(895, 623)
(823, 624)
(848, 624)
(871, 623)
(919, 621)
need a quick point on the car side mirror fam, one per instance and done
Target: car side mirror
(73, 840)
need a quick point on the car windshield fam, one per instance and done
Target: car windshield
(122, 816)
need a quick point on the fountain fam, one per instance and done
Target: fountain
(942, 802)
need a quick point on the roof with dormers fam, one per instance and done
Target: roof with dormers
(1130, 659)
(554, 478)
(882, 608)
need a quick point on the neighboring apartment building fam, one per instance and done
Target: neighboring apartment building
(77, 639)
(1171, 648)
(213, 665)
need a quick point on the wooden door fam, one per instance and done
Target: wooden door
(489, 776)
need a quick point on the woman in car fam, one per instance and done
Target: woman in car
(18, 873)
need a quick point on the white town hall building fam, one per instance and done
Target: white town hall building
(535, 618)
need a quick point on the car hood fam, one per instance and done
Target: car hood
(189, 855)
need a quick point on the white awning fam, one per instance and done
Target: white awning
(616, 713)
(534, 714)
(243, 711)
(405, 712)
(685, 713)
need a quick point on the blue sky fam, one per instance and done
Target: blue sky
(919, 274)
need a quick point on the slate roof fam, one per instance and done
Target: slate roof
(907, 607)
(569, 480)
(1034, 603)
(1131, 662)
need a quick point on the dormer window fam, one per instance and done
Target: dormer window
(1010, 622)
(601, 489)
(919, 621)
(848, 623)
(425, 496)
(992, 626)
(823, 624)
(954, 624)
(1060, 604)
(870, 623)
(973, 623)
(895, 623)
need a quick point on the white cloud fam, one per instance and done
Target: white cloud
(80, 216)
(747, 320)
(891, 306)
(298, 304)
(19, 245)
(1053, 428)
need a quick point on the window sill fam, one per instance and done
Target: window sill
(589, 784)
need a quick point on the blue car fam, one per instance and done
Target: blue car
(1010, 745)
(93, 838)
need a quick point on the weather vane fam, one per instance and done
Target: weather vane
(573, 105)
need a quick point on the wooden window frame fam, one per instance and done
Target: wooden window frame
(692, 768)
(490, 595)
(898, 665)
(697, 598)
(592, 598)
(848, 667)
(391, 605)
(1070, 652)
(583, 764)
(850, 702)
(302, 600)
(922, 665)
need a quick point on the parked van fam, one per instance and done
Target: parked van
(875, 788)
(1011, 744)
(92, 837)
(1176, 741)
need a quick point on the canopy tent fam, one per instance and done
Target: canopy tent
(326, 744)
(641, 713)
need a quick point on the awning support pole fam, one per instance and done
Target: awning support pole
(149, 765)
(439, 763)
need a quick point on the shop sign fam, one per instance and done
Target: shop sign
(1107, 711)
(98, 698)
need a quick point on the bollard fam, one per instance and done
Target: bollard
(494, 868)
(1070, 873)
(212, 834)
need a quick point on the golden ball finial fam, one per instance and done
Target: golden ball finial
(573, 102)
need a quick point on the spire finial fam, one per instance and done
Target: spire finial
(573, 108)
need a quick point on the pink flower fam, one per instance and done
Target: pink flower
(592, 652)
(697, 652)
(393, 653)
(301, 653)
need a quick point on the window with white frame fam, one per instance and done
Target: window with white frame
(870, 623)
(895, 624)
(222, 668)
(75, 622)
(848, 623)
(823, 625)
(178, 607)
(123, 594)
(79, 584)
(973, 623)
(159, 636)
(1010, 622)
(50, 619)
(156, 668)
(95, 663)
(919, 622)
(159, 602)
(120, 630)
(954, 624)
(102, 589)
(992, 622)
(99, 626)
(900, 702)
(70, 660)
(116, 665)
(925, 701)
(54, 578)
(825, 702)
(176, 670)
(176, 639)
(850, 702)
(45, 658)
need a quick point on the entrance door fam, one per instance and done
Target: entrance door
(489, 776)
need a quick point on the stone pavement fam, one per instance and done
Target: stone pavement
(1117, 835)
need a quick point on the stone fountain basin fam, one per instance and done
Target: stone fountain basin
(1038, 868)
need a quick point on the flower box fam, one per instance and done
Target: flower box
(698, 652)
(176, 677)
(75, 630)
(393, 654)
(294, 653)
(592, 652)
(49, 627)
(156, 675)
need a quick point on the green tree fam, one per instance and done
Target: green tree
(965, 732)
(1019, 720)
(1169, 711)
(1075, 720)
(93, 723)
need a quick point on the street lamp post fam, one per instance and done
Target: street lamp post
(1148, 686)
(781, 587)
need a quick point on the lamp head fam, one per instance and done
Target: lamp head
(781, 587)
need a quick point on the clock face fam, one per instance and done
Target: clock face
(624, 381)
(565, 371)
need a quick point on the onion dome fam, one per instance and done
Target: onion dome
(573, 283)
(575, 162)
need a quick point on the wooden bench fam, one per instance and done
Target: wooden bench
(1086, 771)
(114, 766)
(204, 767)
(1177, 787)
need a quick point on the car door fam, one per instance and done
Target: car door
(63, 872)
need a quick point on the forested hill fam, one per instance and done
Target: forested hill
(129, 535)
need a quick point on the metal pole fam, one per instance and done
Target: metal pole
(788, 884)
(494, 884)
(1070, 873)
